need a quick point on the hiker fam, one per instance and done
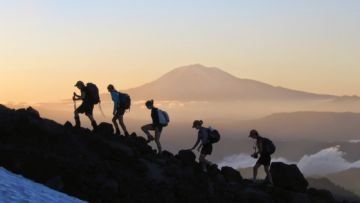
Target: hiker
(160, 119)
(89, 96)
(263, 147)
(206, 138)
(122, 102)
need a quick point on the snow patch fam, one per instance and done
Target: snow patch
(15, 188)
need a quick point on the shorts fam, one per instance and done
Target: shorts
(120, 112)
(265, 160)
(86, 108)
(159, 127)
(207, 149)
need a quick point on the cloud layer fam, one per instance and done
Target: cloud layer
(324, 162)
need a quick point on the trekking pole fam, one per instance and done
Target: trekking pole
(102, 112)
(74, 102)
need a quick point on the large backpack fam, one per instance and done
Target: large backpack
(214, 135)
(268, 146)
(164, 119)
(124, 101)
(92, 93)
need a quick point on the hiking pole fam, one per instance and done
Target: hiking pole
(102, 112)
(74, 101)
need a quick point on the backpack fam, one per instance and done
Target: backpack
(214, 136)
(124, 101)
(268, 146)
(164, 119)
(92, 93)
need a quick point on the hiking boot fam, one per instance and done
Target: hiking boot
(94, 125)
(117, 132)
(150, 139)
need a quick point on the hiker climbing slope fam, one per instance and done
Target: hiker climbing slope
(263, 147)
(160, 119)
(122, 102)
(89, 97)
(206, 138)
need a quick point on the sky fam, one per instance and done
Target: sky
(47, 45)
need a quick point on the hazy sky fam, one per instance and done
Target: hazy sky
(46, 45)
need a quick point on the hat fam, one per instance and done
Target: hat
(79, 83)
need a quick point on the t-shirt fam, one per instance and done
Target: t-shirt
(116, 99)
(155, 117)
(203, 135)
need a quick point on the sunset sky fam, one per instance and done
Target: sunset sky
(47, 45)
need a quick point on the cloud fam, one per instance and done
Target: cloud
(327, 161)
(354, 141)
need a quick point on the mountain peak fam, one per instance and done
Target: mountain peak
(197, 82)
(193, 68)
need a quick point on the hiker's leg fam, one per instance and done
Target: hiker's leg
(157, 139)
(202, 160)
(268, 174)
(146, 129)
(117, 130)
(256, 168)
(122, 124)
(91, 117)
(77, 119)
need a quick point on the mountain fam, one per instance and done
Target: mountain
(339, 192)
(197, 82)
(346, 180)
(98, 166)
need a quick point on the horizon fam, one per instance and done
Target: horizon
(49, 45)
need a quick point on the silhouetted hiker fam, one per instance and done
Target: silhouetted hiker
(122, 102)
(90, 96)
(160, 119)
(265, 148)
(207, 136)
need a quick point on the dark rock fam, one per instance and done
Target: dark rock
(321, 196)
(105, 129)
(231, 174)
(55, 183)
(33, 112)
(68, 125)
(186, 156)
(102, 167)
(288, 177)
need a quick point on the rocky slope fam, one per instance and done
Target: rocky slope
(101, 167)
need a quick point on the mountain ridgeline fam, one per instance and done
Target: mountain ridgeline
(102, 167)
(200, 83)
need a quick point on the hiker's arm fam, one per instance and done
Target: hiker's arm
(79, 97)
(114, 97)
(196, 144)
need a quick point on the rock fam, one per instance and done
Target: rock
(105, 129)
(231, 174)
(68, 125)
(288, 177)
(33, 112)
(186, 156)
(55, 183)
(102, 167)
(320, 196)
